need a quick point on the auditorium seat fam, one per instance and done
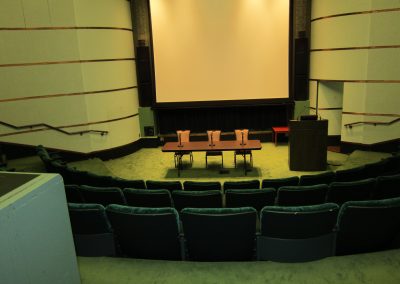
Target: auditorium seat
(279, 182)
(392, 166)
(353, 174)
(92, 232)
(301, 195)
(183, 137)
(201, 185)
(73, 194)
(149, 233)
(368, 226)
(244, 184)
(170, 185)
(376, 169)
(197, 199)
(147, 198)
(242, 136)
(126, 183)
(387, 187)
(225, 234)
(340, 192)
(102, 195)
(214, 136)
(256, 198)
(323, 178)
(297, 234)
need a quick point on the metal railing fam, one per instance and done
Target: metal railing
(375, 123)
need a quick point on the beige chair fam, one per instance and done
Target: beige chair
(242, 135)
(183, 137)
(214, 136)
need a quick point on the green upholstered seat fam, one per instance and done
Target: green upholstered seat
(126, 183)
(147, 198)
(201, 185)
(73, 194)
(323, 178)
(244, 184)
(301, 195)
(353, 174)
(170, 185)
(279, 182)
(224, 234)
(256, 198)
(102, 195)
(297, 234)
(387, 187)
(392, 165)
(93, 235)
(368, 226)
(376, 169)
(197, 199)
(340, 192)
(150, 233)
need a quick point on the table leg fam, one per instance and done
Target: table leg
(245, 165)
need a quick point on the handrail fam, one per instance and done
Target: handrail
(350, 125)
(101, 132)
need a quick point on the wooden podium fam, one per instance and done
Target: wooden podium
(308, 145)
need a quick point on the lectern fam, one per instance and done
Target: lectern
(308, 145)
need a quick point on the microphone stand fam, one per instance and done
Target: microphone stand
(180, 141)
(242, 139)
(211, 136)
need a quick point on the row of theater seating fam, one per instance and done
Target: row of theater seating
(337, 192)
(287, 234)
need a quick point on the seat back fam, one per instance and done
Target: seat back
(242, 135)
(201, 185)
(147, 198)
(93, 235)
(197, 199)
(244, 184)
(216, 135)
(73, 194)
(170, 185)
(301, 195)
(126, 183)
(340, 192)
(323, 178)
(368, 226)
(387, 187)
(353, 174)
(256, 198)
(102, 195)
(226, 234)
(376, 169)
(392, 166)
(151, 233)
(183, 135)
(279, 182)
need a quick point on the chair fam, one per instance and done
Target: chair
(214, 136)
(225, 234)
(353, 174)
(256, 198)
(392, 165)
(201, 185)
(92, 232)
(242, 135)
(297, 234)
(301, 195)
(387, 187)
(376, 169)
(126, 183)
(170, 185)
(244, 184)
(150, 233)
(368, 226)
(279, 182)
(102, 195)
(183, 137)
(198, 199)
(322, 178)
(340, 192)
(147, 198)
(73, 194)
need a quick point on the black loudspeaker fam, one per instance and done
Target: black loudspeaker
(148, 131)
(143, 69)
(301, 66)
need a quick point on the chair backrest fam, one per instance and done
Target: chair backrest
(73, 194)
(242, 135)
(99, 180)
(127, 183)
(184, 135)
(376, 169)
(151, 233)
(301, 195)
(367, 226)
(392, 165)
(197, 199)
(353, 174)
(340, 192)
(93, 235)
(170, 185)
(256, 198)
(279, 182)
(201, 185)
(102, 195)
(147, 198)
(387, 187)
(244, 184)
(216, 135)
(226, 234)
(323, 178)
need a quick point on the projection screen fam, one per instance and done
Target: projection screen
(218, 50)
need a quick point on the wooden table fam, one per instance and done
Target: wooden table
(200, 146)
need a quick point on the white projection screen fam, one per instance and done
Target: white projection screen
(218, 50)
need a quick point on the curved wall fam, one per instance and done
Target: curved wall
(355, 57)
(70, 64)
